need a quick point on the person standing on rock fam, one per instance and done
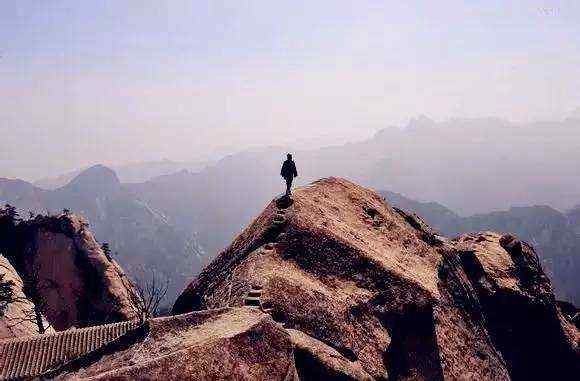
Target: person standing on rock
(289, 172)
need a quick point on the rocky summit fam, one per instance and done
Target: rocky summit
(336, 284)
(367, 291)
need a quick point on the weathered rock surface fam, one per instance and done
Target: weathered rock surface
(369, 291)
(17, 317)
(225, 344)
(517, 303)
(318, 361)
(67, 273)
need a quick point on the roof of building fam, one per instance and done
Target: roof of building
(32, 356)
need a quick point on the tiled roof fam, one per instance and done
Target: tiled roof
(34, 355)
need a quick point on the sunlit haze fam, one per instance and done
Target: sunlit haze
(125, 81)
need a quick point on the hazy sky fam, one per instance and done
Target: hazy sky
(119, 81)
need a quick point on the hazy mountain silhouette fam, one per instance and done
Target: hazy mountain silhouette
(128, 173)
(218, 201)
(473, 166)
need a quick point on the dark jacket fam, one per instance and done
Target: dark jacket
(288, 169)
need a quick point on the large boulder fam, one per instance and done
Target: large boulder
(370, 291)
(225, 344)
(516, 301)
(66, 272)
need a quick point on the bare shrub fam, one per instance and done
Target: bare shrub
(147, 294)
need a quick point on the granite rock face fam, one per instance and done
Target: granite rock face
(17, 314)
(66, 272)
(371, 292)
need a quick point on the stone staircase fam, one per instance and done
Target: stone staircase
(253, 298)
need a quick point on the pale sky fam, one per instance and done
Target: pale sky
(116, 81)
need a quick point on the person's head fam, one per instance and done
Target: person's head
(289, 156)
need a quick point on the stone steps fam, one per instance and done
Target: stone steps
(252, 301)
(279, 217)
(253, 296)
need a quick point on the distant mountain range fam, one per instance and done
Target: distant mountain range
(128, 173)
(471, 165)
(554, 235)
(140, 237)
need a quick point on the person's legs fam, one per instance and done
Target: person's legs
(288, 186)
